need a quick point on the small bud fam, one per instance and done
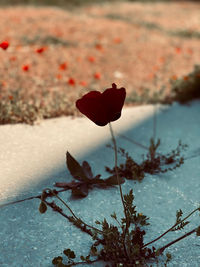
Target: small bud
(42, 207)
(169, 256)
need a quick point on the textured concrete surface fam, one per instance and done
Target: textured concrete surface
(33, 157)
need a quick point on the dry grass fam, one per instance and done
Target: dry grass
(137, 46)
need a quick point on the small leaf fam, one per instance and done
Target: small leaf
(57, 260)
(114, 215)
(80, 191)
(169, 256)
(72, 255)
(42, 207)
(67, 252)
(158, 252)
(93, 251)
(87, 169)
(88, 258)
(198, 231)
(75, 168)
(112, 180)
(82, 258)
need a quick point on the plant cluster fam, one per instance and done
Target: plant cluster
(120, 244)
(153, 162)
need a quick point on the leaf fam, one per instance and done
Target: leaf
(57, 260)
(42, 207)
(75, 168)
(198, 231)
(87, 169)
(69, 253)
(80, 191)
(112, 180)
(93, 251)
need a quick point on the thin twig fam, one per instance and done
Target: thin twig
(29, 198)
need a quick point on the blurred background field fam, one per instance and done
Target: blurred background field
(57, 54)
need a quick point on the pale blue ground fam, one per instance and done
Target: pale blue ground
(29, 239)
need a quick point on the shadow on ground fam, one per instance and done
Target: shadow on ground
(31, 239)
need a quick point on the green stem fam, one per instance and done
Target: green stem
(120, 188)
(171, 228)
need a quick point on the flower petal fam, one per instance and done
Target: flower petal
(91, 106)
(113, 99)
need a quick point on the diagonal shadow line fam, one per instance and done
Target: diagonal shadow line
(57, 173)
(169, 123)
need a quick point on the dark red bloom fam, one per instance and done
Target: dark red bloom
(102, 108)
(4, 45)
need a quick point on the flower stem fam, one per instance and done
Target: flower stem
(120, 188)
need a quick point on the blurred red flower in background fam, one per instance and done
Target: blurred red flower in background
(83, 83)
(71, 81)
(97, 76)
(92, 59)
(25, 67)
(63, 66)
(102, 108)
(4, 45)
(40, 50)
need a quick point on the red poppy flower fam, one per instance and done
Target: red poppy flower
(13, 58)
(25, 67)
(71, 81)
(99, 47)
(83, 83)
(178, 50)
(97, 76)
(102, 108)
(63, 66)
(40, 50)
(4, 45)
(92, 59)
(59, 76)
